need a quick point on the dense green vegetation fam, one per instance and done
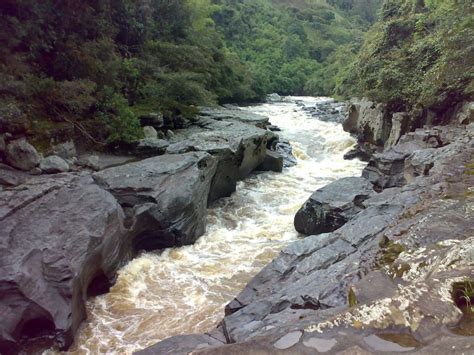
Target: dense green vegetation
(419, 54)
(97, 65)
(294, 47)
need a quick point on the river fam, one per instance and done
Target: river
(185, 290)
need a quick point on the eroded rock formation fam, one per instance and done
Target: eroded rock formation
(64, 236)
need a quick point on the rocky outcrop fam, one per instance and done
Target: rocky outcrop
(238, 147)
(369, 121)
(327, 111)
(381, 282)
(62, 239)
(165, 197)
(22, 155)
(312, 284)
(332, 206)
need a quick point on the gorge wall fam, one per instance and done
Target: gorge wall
(390, 255)
(65, 234)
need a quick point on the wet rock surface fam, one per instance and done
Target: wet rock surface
(65, 236)
(333, 205)
(328, 111)
(381, 282)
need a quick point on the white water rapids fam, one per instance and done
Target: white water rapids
(185, 290)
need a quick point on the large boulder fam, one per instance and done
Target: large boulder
(333, 205)
(62, 239)
(54, 164)
(165, 197)
(65, 150)
(22, 155)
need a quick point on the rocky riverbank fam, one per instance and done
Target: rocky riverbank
(68, 222)
(389, 266)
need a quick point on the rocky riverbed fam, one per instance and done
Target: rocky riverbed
(387, 264)
(390, 265)
(67, 228)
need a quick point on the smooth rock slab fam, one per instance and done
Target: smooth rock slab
(332, 206)
(56, 245)
(288, 340)
(165, 197)
(321, 345)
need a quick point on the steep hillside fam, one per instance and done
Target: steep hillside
(91, 67)
(294, 47)
(420, 53)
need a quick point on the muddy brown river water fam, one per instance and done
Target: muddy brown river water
(185, 290)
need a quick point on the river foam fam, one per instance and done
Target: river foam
(184, 290)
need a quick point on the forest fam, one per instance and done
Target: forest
(100, 64)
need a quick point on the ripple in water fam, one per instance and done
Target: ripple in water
(185, 290)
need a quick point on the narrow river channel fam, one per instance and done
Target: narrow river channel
(185, 290)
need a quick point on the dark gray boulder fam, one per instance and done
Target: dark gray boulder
(22, 155)
(62, 239)
(54, 164)
(386, 169)
(165, 197)
(273, 162)
(332, 206)
(284, 148)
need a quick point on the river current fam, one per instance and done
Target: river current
(184, 290)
